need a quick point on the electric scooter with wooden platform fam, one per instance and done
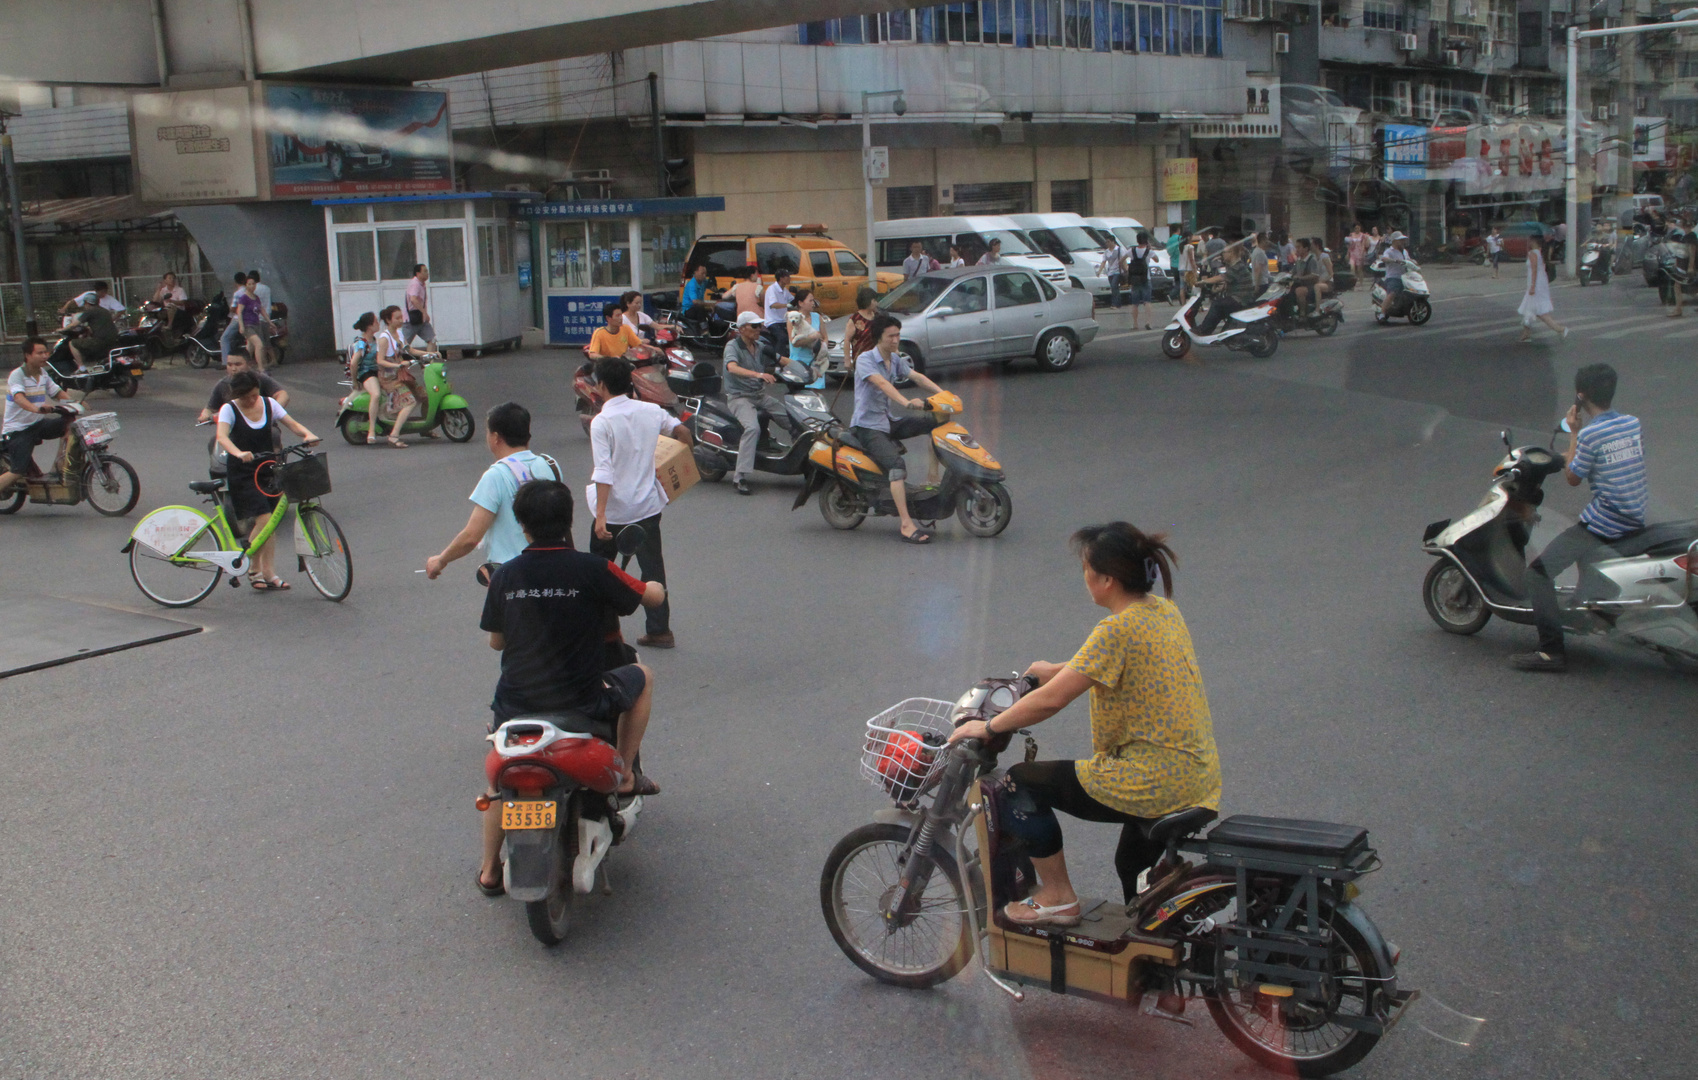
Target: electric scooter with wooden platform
(1257, 916)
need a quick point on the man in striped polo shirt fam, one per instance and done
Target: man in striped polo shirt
(1605, 447)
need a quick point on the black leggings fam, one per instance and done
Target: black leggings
(1039, 788)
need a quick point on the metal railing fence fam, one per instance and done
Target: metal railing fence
(49, 296)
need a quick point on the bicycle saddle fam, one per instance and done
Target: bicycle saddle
(206, 487)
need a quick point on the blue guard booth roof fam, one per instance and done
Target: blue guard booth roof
(439, 196)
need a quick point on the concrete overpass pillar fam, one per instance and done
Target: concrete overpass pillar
(284, 241)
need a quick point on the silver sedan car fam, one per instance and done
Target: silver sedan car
(981, 314)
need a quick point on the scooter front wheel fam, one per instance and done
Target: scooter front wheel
(353, 429)
(931, 941)
(1420, 311)
(985, 509)
(1453, 601)
(459, 425)
(198, 357)
(1175, 344)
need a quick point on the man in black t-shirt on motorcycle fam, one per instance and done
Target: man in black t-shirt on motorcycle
(546, 612)
(1238, 293)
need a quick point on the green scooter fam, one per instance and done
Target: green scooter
(441, 408)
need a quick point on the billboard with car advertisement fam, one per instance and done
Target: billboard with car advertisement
(361, 140)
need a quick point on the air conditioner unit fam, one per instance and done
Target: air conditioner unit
(1282, 43)
(1408, 42)
(1427, 106)
(1615, 108)
(1401, 99)
(1452, 57)
(1643, 105)
(1487, 48)
(1603, 112)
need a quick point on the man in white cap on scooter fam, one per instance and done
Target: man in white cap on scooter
(1394, 259)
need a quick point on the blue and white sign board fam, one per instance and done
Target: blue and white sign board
(1406, 152)
(604, 208)
(572, 319)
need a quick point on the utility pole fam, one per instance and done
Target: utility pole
(15, 196)
(659, 136)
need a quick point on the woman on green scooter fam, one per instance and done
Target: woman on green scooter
(362, 368)
(393, 374)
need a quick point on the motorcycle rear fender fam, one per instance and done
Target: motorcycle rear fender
(533, 861)
(453, 401)
(1363, 925)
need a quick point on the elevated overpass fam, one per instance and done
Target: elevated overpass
(148, 42)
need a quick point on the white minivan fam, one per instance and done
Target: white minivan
(1067, 237)
(971, 235)
(1126, 230)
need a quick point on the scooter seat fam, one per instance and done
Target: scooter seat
(1296, 837)
(847, 438)
(1179, 824)
(205, 487)
(1668, 538)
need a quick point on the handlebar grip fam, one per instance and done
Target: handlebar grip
(1031, 682)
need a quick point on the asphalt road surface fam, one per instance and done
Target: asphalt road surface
(249, 853)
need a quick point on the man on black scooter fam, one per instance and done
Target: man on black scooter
(545, 612)
(1239, 289)
(1604, 446)
(31, 416)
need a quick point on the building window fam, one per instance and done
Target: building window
(356, 256)
(1151, 36)
(445, 254)
(610, 254)
(961, 22)
(1077, 24)
(1190, 29)
(908, 202)
(996, 21)
(1046, 24)
(1383, 15)
(1014, 198)
(1070, 196)
(568, 255)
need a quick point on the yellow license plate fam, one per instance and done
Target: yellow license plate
(527, 814)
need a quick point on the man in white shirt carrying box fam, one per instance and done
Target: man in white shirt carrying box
(623, 437)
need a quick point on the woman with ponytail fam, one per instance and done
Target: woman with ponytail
(1152, 739)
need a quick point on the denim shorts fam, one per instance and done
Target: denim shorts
(1138, 292)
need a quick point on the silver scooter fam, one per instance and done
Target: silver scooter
(1646, 593)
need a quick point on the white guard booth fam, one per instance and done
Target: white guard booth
(468, 241)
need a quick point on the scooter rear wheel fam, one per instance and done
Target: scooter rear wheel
(1326, 325)
(128, 387)
(1175, 344)
(840, 507)
(198, 357)
(930, 946)
(551, 917)
(14, 499)
(1262, 343)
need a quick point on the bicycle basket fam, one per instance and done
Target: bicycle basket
(96, 428)
(903, 749)
(307, 478)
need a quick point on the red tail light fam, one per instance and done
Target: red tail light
(1685, 563)
(526, 779)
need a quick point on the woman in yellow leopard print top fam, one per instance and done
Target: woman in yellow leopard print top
(1152, 739)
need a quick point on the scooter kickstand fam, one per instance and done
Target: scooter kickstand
(606, 881)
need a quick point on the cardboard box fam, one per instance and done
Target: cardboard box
(675, 467)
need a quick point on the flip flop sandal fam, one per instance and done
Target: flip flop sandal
(1034, 915)
(277, 584)
(644, 786)
(918, 536)
(397, 443)
(498, 889)
(371, 440)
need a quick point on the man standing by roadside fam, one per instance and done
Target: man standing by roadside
(917, 262)
(418, 310)
(507, 433)
(777, 311)
(233, 329)
(746, 380)
(623, 438)
(1135, 266)
(31, 418)
(1114, 268)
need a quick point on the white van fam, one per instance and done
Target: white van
(1066, 237)
(972, 235)
(1126, 230)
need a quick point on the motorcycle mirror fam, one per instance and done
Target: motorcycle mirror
(1563, 426)
(630, 538)
(1504, 435)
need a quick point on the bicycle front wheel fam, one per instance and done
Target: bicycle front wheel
(324, 554)
(183, 578)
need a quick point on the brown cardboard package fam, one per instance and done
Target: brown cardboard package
(675, 467)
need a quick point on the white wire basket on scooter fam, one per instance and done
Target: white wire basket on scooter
(903, 753)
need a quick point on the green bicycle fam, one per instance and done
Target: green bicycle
(178, 554)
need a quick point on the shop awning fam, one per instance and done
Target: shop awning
(75, 215)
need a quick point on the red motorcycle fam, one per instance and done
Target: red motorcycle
(660, 374)
(557, 777)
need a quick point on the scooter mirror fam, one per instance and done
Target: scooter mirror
(630, 538)
(1504, 435)
(1563, 426)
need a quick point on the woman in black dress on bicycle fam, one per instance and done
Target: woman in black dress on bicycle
(244, 430)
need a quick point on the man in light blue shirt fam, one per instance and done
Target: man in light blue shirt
(507, 433)
(1606, 448)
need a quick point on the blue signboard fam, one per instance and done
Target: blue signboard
(572, 319)
(600, 208)
(525, 274)
(1405, 152)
